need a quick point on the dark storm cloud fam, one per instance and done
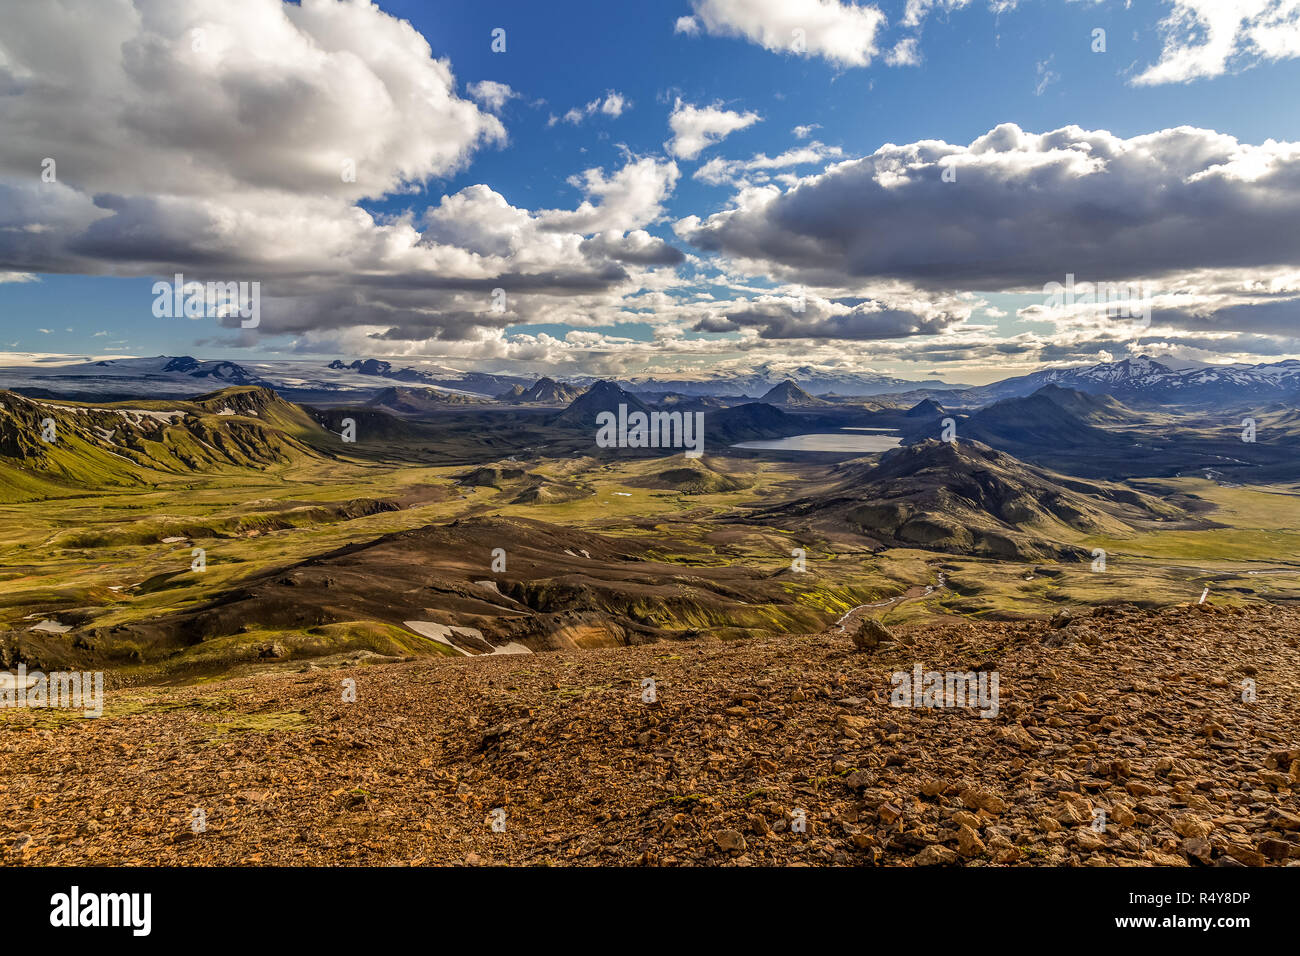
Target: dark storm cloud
(868, 321)
(637, 248)
(1023, 210)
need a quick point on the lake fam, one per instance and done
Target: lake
(859, 443)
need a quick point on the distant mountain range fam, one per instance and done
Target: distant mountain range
(1139, 381)
(179, 376)
(742, 422)
(479, 383)
(141, 377)
(754, 384)
(1146, 379)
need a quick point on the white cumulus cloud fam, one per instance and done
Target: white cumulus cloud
(843, 33)
(697, 127)
(719, 171)
(491, 95)
(1206, 38)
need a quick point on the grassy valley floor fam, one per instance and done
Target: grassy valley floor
(122, 557)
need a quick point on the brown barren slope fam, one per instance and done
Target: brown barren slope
(1136, 713)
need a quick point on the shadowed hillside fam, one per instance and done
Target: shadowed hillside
(434, 590)
(419, 401)
(601, 397)
(1094, 435)
(968, 498)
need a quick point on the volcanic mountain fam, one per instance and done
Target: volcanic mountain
(547, 391)
(752, 421)
(601, 397)
(924, 410)
(1052, 417)
(676, 401)
(789, 393)
(967, 498)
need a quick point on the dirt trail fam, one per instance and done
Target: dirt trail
(854, 616)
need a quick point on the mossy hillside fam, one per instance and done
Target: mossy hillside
(45, 445)
(156, 529)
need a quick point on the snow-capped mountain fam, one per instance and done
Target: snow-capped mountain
(750, 384)
(224, 373)
(819, 382)
(165, 375)
(1138, 373)
(1141, 379)
(1145, 378)
(156, 376)
(435, 376)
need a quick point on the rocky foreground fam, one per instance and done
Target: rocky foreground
(762, 753)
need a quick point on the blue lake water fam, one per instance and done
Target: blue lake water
(862, 441)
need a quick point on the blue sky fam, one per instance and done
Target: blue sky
(974, 69)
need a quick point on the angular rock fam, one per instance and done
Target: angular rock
(730, 841)
(870, 635)
(935, 855)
